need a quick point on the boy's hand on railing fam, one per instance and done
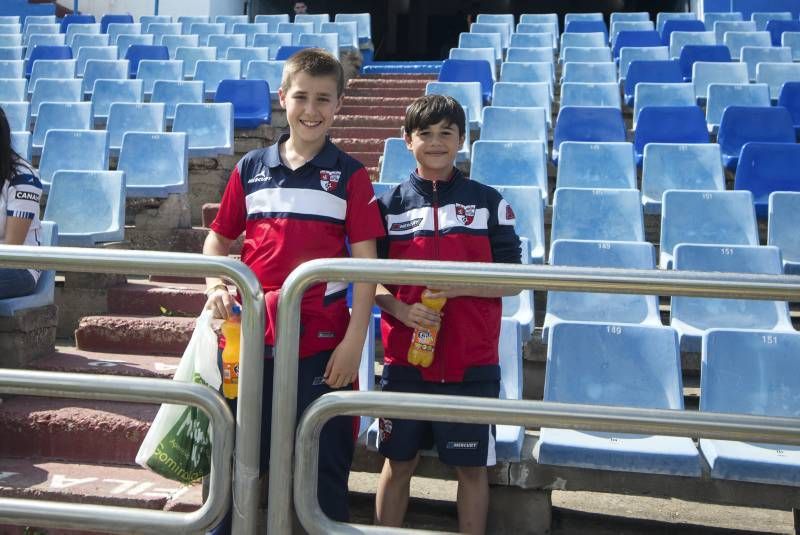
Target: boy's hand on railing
(418, 316)
(220, 301)
(342, 368)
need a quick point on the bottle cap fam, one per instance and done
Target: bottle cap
(237, 310)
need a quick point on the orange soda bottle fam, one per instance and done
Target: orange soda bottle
(423, 343)
(231, 329)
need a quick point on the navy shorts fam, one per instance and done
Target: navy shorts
(458, 444)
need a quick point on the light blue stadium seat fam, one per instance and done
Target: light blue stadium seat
(271, 71)
(691, 316)
(761, 19)
(789, 98)
(483, 54)
(723, 26)
(126, 41)
(363, 24)
(662, 72)
(591, 73)
(250, 30)
(223, 43)
(272, 21)
(366, 368)
(138, 53)
(18, 115)
(482, 40)
(791, 40)
(528, 73)
(127, 117)
(501, 29)
(469, 70)
(231, 20)
(582, 40)
(62, 116)
(10, 40)
(45, 52)
(160, 29)
(209, 127)
(622, 365)
(576, 123)
(679, 39)
(601, 307)
(705, 73)
(21, 143)
(397, 162)
(669, 124)
(745, 124)
(12, 68)
(172, 93)
(54, 90)
(630, 26)
(12, 52)
(589, 94)
(597, 214)
(765, 168)
(468, 94)
(107, 92)
(40, 29)
(530, 219)
(585, 54)
(784, 218)
(596, 165)
(93, 52)
(155, 164)
(669, 166)
(174, 42)
(514, 124)
(272, 41)
(186, 22)
(98, 69)
(657, 94)
(204, 29)
(151, 70)
(735, 41)
(54, 69)
(539, 18)
(519, 308)
(524, 95)
(750, 372)
(532, 39)
(247, 54)
(77, 193)
(753, 55)
(710, 17)
(720, 96)
(44, 292)
(629, 39)
(529, 54)
(147, 20)
(325, 41)
(83, 40)
(296, 29)
(73, 150)
(13, 90)
(211, 73)
(628, 55)
(316, 19)
(116, 29)
(728, 218)
(776, 29)
(191, 55)
(510, 163)
(775, 74)
(347, 32)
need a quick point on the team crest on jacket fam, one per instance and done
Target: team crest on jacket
(465, 214)
(329, 180)
(509, 212)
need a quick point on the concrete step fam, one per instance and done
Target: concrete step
(364, 132)
(73, 430)
(383, 83)
(378, 100)
(408, 92)
(73, 360)
(384, 121)
(368, 159)
(350, 145)
(141, 335)
(354, 109)
(157, 298)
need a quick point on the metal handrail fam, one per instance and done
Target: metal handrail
(248, 418)
(433, 274)
(509, 412)
(139, 390)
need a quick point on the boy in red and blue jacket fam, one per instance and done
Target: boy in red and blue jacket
(438, 214)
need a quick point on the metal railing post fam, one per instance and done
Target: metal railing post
(651, 282)
(248, 418)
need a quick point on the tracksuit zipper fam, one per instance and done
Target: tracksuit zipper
(435, 191)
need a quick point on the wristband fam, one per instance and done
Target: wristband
(215, 288)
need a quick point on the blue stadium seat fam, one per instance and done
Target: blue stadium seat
(744, 124)
(728, 218)
(155, 165)
(503, 30)
(87, 53)
(211, 73)
(530, 219)
(597, 214)
(160, 29)
(77, 193)
(633, 16)
(691, 54)
(723, 27)
(629, 39)
(271, 71)
(62, 116)
(670, 26)
(776, 28)
(73, 150)
(191, 55)
(510, 163)
(669, 166)
(663, 17)
(575, 123)
(13, 90)
(316, 19)
(514, 124)
(720, 96)
(478, 54)
(680, 39)
(587, 26)
(792, 41)
(624, 365)
(88, 40)
(602, 307)
(285, 52)
(18, 115)
(784, 218)
(40, 29)
(596, 165)
(12, 68)
(763, 18)
(347, 32)
(54, 90)
(21, 143)
(663, 72)
(325, 41)
(13, 40)
(588, 54)
(528, 73)
(124, 117)
(296, 29)
(482, 40)
(669, 124)
(151, 70)
(114, 18)
(592, 95)
(250, 30)
(272, 21)
(691, 316)
(629, 26)
(363, 24)
(589, 72)
(231, 20)
(174, 42)
(52, 69)
(76, 29)
(468, 94)
(44, 292)
(582, 40)
(75, 19)
(101, 69)
(765, 168)
(147, 20)
(244, 55)
(107, 92)
(706, 73)
(753, 55)
(397, 162)
(209, 127)
(533, 40)
(115, 29)
(272, 41)
(523, 95)
(12, 52)
(137, 53)
(528, 54)
(126, 41)
(464, 70)
(250, 99)
(46, 53)
(710, 17)
(541, 18)
(750, 372)
(656, 94)
(172, 93)
(628, 55)
(204, 29)
(186, 22)
(789, 98)
(776, 74)
(736, 41)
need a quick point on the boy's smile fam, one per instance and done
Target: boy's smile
(434, 148)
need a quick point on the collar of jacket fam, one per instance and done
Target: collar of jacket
(425, 187)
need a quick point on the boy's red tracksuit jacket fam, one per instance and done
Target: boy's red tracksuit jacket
(462, 220)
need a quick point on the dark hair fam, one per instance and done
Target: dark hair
(314, 62)
(433, 109)
(9, 159)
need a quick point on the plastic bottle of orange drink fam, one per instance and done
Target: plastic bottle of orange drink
(423, 343)
(231, 329)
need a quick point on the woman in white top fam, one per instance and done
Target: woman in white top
(20, 191)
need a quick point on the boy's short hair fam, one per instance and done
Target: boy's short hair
(433, 109)
(314, 62)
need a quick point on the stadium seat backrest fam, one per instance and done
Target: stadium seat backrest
(753, 55)
(468, 70)
(635, 39)
(203, 29)
(147, 20)
(597, 214)
(529, 215)
(633, 16)
(514, 124)
(468, 94)
(664, 72)
(735, 41)
(315, 19)
(576, 123)
(596, 165)
(744, 124)
(628, 55)
(191, 55)
(503, 30)
(347, 32)
(174, 42)
(720, 96)
(93, 52)
(12, 68)
(541, 18)
(172, 93)
(126, 41)
(250, 30)
(101, 69)
(784, 218)
(776, 28)
(761, 19)
(532, 40)
(590, 94)
(55, 90)
(767, 167)
(80, 29)
(583, 40)
(792, 41)
(82, 40)
(116, 29)
(296, 29)
(728, 218)
(590, 72)
(481, 40)
(679, 26)
(397, 162)
(776, 74)
(273, 41)
(159, 30)
(114, 18)
(723, 26)
(510, 163)
(53, 69)
(247, 54)
(585, 54)
(10, 40)
(106, 92)
(710, 17)
(21, 143)
(669, 124)
(705, 73)
(127, 117)
(250, 99)
(18, 115)
(691, 54)
(13, 90)
(479, 54)
(285, 52)
(230, 21)
(271, 71)
(40, 29)
(679, 39)
(155, 165)
(528, 72)
(46, 53)
(504, 19)
(209, 127)
(186, 22)
(789, 98)
(630, 26)
(669, 166)
(587, 26)
(588, 16)
(137, 53)
(73, 150)
(151, 70)
(655, 94)
(76, 193)
(60, 115)
(362, 20)
(528, 54)
(523, 95)
(213, 72)
(325, 41)
(272, 21)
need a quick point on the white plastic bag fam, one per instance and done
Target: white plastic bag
(178, 444)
